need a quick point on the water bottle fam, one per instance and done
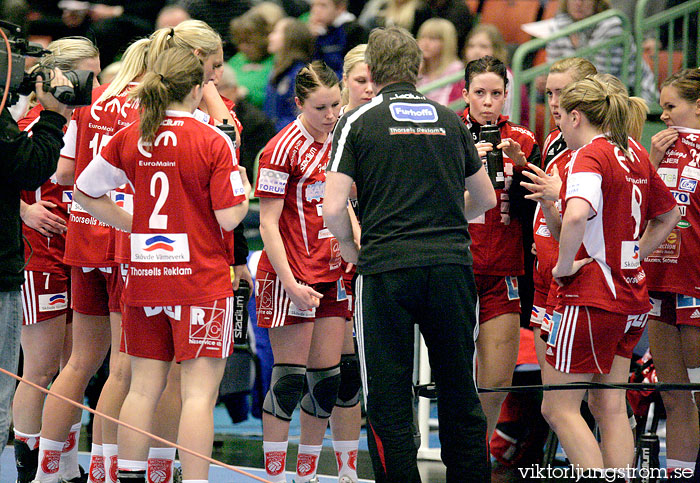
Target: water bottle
(240, 313)
(229, 130)
(648, 455)
(494, 158)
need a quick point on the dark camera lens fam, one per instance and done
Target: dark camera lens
(81, 92)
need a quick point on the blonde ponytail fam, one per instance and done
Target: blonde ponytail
(133, 65)
(174, 75)
(605, 108)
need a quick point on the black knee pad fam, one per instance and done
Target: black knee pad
(323, 391)
(350, 382)
(286, 386)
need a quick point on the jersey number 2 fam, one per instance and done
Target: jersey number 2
(157, 220)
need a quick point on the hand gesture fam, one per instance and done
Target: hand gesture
(303, 296)
(38, 217)
(543, 187)
(513, 150)
(560, 273)
(660, 142)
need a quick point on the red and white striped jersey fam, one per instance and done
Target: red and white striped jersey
(623, 194)
(293, 167)
(555, 154)
(46, 252)
(178, 255)
(675, 265)
(89, 242)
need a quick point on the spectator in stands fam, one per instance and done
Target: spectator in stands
(253, 63)
(117, 23)
(257, 128)
(389, 13)
(456, 11)
(170, 16)
(437, 39)
(606, 60)
(485, 39)
(218, 14)
(336, 30)
(292, 44)
(271, 12)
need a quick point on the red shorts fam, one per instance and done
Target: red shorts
(675, 309)
(497, 296)
(96, 291)
(539, 308)
(275, 308)
(585, 340)
(182, 332)
(45, 296)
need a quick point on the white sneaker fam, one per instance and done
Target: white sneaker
(346, 479)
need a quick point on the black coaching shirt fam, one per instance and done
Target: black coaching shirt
(409, 157)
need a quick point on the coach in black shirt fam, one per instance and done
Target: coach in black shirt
(411, 159)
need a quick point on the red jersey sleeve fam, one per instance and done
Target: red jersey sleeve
(105, 172)
(273, 169)
(226, 186)
(660, 198)
(585, 177)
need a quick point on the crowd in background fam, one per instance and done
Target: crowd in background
(268, 46)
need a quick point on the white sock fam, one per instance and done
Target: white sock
(275, 458)
(49, 461)
(307, 462)
(111, 461)
(69, 453)
(31, 440)
(160, 465)
(96, 473)
(132, 465)
(346, 457)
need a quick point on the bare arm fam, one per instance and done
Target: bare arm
(479, 196)
(65, 171)
(303, 296)
(105, 210)
(336, 215)
(229, 218)
(657, 230)
(552, 217)
(572, 230)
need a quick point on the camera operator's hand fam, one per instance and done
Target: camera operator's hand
(49, 101)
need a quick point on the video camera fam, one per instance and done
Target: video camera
(24, 83)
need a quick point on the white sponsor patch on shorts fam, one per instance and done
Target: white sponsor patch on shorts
(53, 301)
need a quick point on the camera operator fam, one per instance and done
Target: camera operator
(25, 163)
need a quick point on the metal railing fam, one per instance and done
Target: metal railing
(523, 76)
(651, 26)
